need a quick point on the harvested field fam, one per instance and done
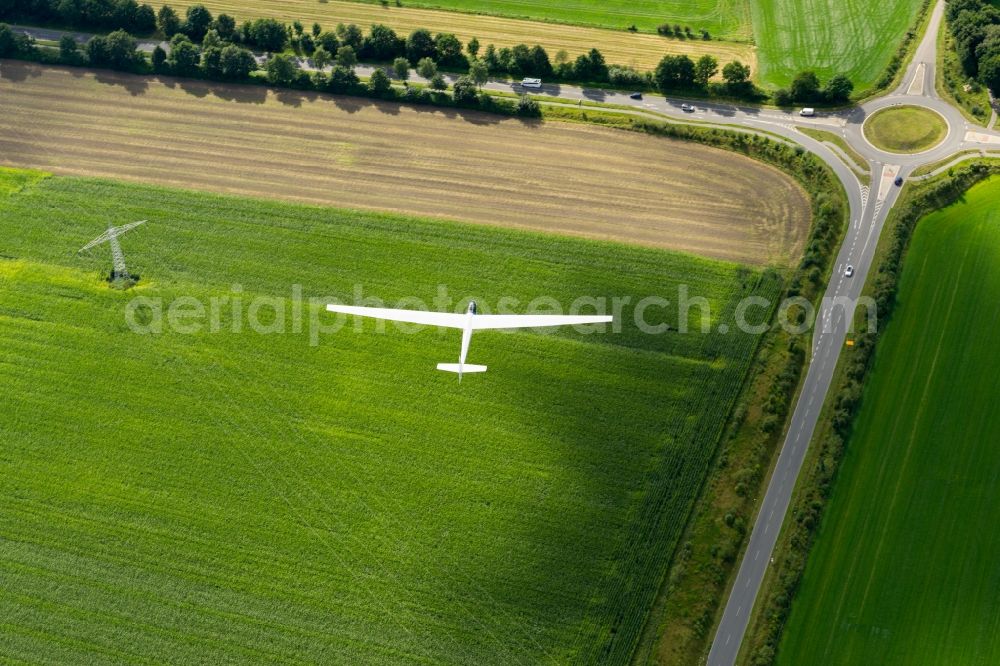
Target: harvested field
(350, 152)
(640, 50)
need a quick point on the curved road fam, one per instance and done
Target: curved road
(868, 209)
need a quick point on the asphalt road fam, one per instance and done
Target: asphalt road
(868, 214)
(868, 218)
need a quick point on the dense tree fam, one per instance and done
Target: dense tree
(225, 25)
(167, 21)
(69, 50)
(989, 73)
(13, 43)
(401, 68)
(704, 69)
(321, 58)
(126, 15)
(479, 72)
(675, 71)
(737, 76)
(159, 59)
(438, 82)
(328, 41)
(379, 82)
(465, 91)
(539, 62)
(427, 68)
(211, 61)
(420, 45)
(590, 67)
(473, 48)
(517, 60)
(490, 58)
(342, 79)
(350, 35)
(346, 57)
(448, 49)
(97, 51)
(197, 22)
(236, 62)
(211, 40)
(805, 87)
(184, 56)
(282, 70)
(528, 107)
(121, 50)
(626, 76)
(307, 44)
(382, 44)
(266, 34)
(970, 28)
(143, 20)
(783, 97)
(317, 29)
(838, 89)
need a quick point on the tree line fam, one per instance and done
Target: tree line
(975, 25)
(226, 56)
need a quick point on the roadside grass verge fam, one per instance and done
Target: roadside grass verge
(827, 449)
(855, 161)
(902, 546)
(951, 82)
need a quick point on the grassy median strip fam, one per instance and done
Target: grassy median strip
(857, 162)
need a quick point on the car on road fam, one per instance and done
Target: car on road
(636, 95)
(687, 108)
(807, 112)
(531, 83)
(898, 181)
(849, 271)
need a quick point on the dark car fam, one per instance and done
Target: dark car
(636, 95)
(899, 181)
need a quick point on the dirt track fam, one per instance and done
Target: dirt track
(354, 153)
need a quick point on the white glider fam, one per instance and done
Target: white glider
(469, 322)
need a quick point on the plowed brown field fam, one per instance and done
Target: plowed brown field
(641, 50)
(354, 153)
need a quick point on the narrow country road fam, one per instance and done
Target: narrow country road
(834, 322)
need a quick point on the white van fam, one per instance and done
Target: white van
(808, 112)
(531, 83)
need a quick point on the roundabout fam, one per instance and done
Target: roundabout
(906, 129)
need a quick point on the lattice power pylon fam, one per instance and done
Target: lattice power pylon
(120, 272)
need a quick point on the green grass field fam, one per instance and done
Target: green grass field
(904, 570)
(728, 19)
(905, 129)
(853, 37)
(222, 496)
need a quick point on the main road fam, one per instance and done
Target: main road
(917, 88)
(869, 207)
